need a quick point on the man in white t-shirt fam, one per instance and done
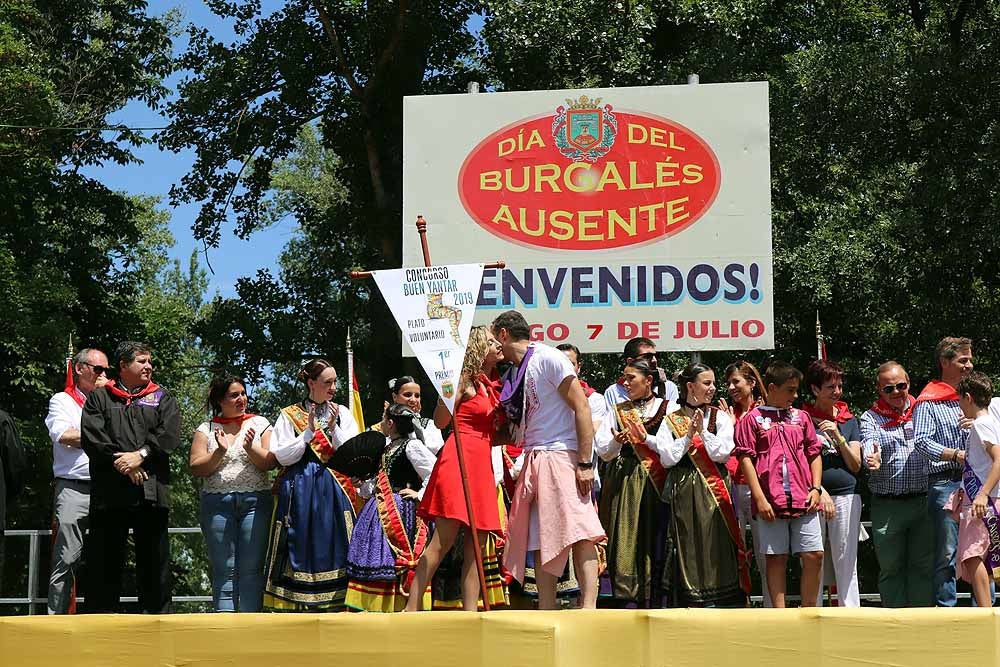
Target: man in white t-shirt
(638, 348)
(552, 512)
(71, 469)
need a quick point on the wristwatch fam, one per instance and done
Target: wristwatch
(143, 452)
(816, 489)
(584, 465)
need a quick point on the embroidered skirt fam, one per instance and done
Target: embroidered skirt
(701, 563)
(635, 519)
(376, 583)
(307, 555)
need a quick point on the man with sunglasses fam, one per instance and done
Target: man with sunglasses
(71, 469)
(638, 348)
(902, 530)
(941, 434)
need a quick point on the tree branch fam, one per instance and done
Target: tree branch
(390, 50)
(239, 175)
(331, 33)
(955, 25)
(917, 14)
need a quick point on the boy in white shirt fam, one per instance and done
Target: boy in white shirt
(979, 516)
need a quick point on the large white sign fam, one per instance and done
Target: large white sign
(620, 212)
(434, 306)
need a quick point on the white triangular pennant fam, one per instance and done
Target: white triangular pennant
(434, 307)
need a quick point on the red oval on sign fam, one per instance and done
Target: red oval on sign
(589, 178)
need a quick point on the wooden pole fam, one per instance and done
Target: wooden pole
(422, 231)
(474, 533)
(359, 275)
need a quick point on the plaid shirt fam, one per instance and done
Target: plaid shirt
(936, 424)
(904, 469)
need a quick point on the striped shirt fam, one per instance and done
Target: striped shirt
(936, 424)
(904, 469)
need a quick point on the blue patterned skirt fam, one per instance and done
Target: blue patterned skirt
(307, 556)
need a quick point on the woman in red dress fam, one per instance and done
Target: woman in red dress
(444, 500)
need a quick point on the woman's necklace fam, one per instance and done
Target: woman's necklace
(642, 402)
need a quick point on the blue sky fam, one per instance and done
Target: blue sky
(234, 257)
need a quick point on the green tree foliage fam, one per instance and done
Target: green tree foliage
(884, 148)
(884, 152)
(69, 247)
(346, 65)
(883, 143)
(75, 257)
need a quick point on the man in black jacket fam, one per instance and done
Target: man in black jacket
(128, 429)
(12, 466)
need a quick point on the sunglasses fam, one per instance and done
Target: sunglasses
(98, 370)
(899, 386)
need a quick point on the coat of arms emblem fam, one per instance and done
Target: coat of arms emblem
(583, 130)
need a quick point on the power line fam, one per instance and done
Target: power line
(102, 128)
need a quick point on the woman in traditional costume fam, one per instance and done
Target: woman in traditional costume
(444, 499)
(706, 557)
(389, 536)
(632, 481)
(314, 511)
(405, 390)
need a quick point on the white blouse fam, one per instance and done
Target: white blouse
(236, 473)
(288, 447)
(433, 439)
(608, 448)
(719, 445)
(670, 450)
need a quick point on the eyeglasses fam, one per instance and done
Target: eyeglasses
(98, 370)
(899, 386)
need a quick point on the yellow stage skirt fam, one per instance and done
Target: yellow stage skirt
(696, 637)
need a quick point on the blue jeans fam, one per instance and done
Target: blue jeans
(945, 540)
(235, 526)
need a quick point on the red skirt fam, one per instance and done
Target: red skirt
(443, 496)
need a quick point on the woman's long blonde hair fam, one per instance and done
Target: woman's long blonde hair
(475, 355)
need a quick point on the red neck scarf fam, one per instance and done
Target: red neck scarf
(126, 396)
(938, 391)
(238, 419)
(77, 395)
(588, 391)
(895, 417)
(841, 413)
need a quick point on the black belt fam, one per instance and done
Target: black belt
(951, 475)
(900, 496)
